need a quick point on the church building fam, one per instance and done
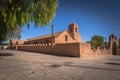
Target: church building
(67, 36)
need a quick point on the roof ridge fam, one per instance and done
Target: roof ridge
(47, 35)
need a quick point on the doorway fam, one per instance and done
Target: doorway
(114, 49)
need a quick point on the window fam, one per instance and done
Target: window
(66, 38)
(70, 29)
(75, 29)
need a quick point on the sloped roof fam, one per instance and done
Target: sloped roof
(56, 34)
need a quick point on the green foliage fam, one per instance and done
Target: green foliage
(96, 41)
(3, 30)
(106, 45)
(87, 41)
(14, 13)
(19, 12)
(3, 34)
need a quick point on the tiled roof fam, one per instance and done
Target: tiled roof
(56, 34)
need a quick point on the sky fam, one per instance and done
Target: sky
(94, 17)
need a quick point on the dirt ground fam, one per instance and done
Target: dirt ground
(21, 65)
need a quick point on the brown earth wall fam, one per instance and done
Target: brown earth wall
(85, 49)
(70, 49)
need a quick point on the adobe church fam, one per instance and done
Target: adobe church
(67, 36)
(67, 43)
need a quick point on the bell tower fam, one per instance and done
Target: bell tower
(74, 31)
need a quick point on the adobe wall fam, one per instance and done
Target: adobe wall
(67, 49)
(85, 49)
(70, 49)
(101, 51)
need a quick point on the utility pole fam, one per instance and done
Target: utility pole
(52, 33)
(52, 30)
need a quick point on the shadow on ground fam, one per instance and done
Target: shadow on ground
(88, 67)
(114, 59)
(58, 65)
(117, 64)
(6, 54)
(55, 65)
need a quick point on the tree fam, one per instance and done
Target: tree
(119, 44)
(14, 34)
(87, 41)
(3, 31)
(3, 34)
(14, 13)
(96, 41)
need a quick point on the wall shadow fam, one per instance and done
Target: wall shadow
(6, 54)
(88, 67)
(114, 48)
(52, 54)
(114, 59)
(110, 63)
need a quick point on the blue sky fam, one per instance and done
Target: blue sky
(94, 17)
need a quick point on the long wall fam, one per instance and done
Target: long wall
(68, 49)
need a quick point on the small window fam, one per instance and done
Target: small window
(76, 29)
(66, 38)
(70, 29)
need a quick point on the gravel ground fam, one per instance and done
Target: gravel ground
(20, 65)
